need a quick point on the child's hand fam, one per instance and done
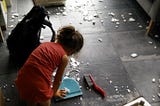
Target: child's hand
(61, 93)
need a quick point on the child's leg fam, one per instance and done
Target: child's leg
(46, 103)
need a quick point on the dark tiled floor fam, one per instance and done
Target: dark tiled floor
(108, 60)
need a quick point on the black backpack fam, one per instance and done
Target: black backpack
(25, 37)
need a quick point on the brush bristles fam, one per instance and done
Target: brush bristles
(88, 81)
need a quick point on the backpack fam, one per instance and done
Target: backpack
(25, 37)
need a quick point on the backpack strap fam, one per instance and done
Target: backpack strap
(49, 24)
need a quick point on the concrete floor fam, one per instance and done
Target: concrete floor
(106, 52)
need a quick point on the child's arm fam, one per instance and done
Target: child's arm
(59, 74)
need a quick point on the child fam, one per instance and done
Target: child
(34, 79)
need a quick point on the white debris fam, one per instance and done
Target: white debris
(11, 26)
(4, 86)
(48, 12)
(153, 80)
(111, 14)
(150, 42)
(155, 47)
(12, 86)
(134, 55)
(87, 63)
(64, 13)
(74, 73)
(117, 23)
(158, 94)
(81, 98)
(13, 17)
(156, 36)
(100, 39)
(54, 73)
(11, 20)
(124, 20)
(67, 90)
(8, 99)
(153, 97)
(114, 20)
(15, 14)
(140, 26)
(58, 13)
(74, 63)
(122, 16)
(129, 13)
(106, 78)
(110, 81)
(116, 89)
(67, 73)
(96, 15)
(115, 86)
(78, 78)
(82, 62)
(131, 19)
(102, 21)
(116, 26)
(128, 90)
(19, 20)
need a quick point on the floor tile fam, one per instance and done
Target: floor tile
(106, 52)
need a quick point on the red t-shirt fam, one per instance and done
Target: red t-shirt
(35, 77)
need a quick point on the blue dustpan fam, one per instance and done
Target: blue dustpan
(73, 86)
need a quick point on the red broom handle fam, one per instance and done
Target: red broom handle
(99, 89)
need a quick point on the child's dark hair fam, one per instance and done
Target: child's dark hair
(70, 38)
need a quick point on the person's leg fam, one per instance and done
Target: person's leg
(46, 103)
